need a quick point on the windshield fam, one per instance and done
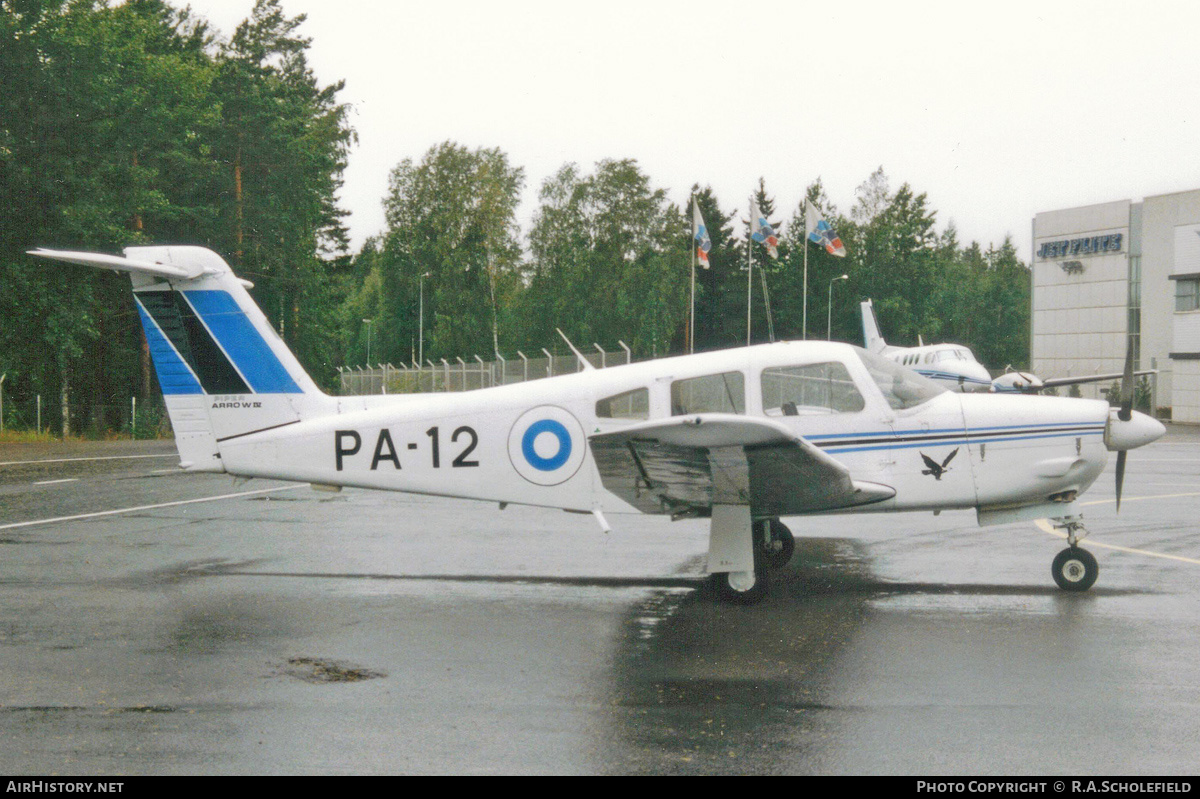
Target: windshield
(902, 387)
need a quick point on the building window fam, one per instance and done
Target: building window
(1134, 339)
(1187, 295)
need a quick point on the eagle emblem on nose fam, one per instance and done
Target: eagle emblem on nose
(935, 468)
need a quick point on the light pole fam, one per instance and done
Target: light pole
(421, 322)
(829, 322)
(368, 322)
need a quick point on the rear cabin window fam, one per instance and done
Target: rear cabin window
(818, 388)
(633, 404)
(720, 393)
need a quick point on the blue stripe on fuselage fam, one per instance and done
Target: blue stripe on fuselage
(966, 439)
(908, 439)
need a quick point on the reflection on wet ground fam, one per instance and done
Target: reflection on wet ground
(715, 688)
(842, 672)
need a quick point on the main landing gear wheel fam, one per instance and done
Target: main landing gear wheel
(743, 588)
(775, 542)
(1075, 569)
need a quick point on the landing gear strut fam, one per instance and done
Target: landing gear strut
(773, 548)
(774, 542)
(1074, 569)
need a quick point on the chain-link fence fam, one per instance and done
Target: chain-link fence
(463, 375)
(137, 418)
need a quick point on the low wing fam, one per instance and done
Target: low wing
(686, 464)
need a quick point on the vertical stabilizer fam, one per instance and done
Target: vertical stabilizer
(872, 340)
(223, 370)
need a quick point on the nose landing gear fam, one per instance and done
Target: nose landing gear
(1074, 569)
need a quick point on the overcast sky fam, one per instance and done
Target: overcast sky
(995, 114)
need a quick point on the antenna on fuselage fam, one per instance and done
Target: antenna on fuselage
(587, 365)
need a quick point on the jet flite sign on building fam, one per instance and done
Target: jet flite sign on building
(1090, 245)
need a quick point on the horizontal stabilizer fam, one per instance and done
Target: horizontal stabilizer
(118, 263)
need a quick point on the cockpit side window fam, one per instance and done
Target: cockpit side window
(719, 393)
(902, 387)
(633, 404)
(818, 388)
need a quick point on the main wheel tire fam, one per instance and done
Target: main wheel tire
(776, 549)
(1075, 569)
(735, 587)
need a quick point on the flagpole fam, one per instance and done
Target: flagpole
(805, 240)
(692, 322)
(749, 271)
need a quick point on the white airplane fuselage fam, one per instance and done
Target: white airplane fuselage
(952, 365)
(1009, 451)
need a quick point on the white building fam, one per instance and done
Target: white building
(1102, 272)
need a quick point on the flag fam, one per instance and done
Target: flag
(819, 231)
(762, 232)
(700, 234)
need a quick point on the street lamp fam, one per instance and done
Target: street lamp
(421, 322)
(829, 321)
(368, 322)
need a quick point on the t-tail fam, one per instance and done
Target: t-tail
(223, 370)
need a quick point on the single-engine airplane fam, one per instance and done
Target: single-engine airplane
(956, 367)
(742, 436)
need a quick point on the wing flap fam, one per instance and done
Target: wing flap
(684, 465)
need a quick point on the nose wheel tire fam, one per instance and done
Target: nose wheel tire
(1074, 569)
(742, 588)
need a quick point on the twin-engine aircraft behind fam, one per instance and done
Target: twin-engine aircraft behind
(956, 367)
(742, 437)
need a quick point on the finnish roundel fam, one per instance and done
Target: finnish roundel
(547, 445)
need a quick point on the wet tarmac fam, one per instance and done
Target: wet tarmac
(279, 630)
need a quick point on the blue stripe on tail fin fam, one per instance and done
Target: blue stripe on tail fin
(244, 345)
(174, 375)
